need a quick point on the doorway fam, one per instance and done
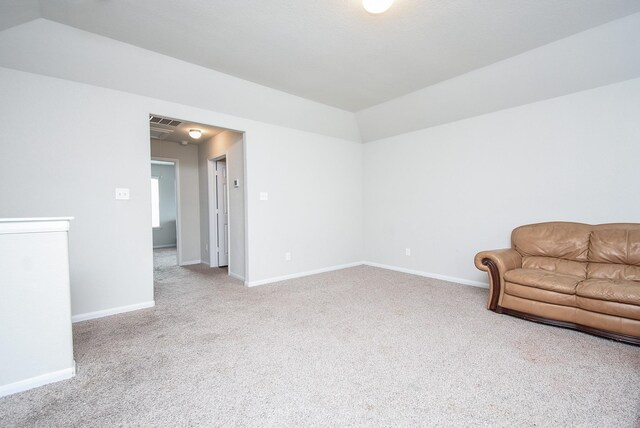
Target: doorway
(210, 193)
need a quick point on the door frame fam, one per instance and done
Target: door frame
(212, 194)
(176, 163)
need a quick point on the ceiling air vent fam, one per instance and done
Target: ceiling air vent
(164, 121)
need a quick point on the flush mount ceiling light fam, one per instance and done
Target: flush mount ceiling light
(195, 133)
(377, 6)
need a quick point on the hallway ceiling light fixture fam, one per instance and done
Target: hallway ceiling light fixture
(376, 6)
(195, 133)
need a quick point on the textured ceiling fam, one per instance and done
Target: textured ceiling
(332, 51)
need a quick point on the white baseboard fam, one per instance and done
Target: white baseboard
(373, 264)
(34, 382)
(164, 246)
(429, 275)
(236, 276)
(300, 274)
(112, 311)
(191, 262)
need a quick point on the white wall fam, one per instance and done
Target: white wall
(165, 235)
(314, 181)
(67, 160)
(237, 207)
(52, 49)
(189, 195)
(229, 144)
(450, 191)
(596, 57)
(315, 205)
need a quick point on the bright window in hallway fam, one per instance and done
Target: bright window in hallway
(155, 202)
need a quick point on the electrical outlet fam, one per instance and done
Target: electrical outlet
(287, 256)
(407, 251)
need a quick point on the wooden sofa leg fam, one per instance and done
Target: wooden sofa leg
(494, 290)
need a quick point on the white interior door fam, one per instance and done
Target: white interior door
(222, 211)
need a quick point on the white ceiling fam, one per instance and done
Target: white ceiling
(331, 51)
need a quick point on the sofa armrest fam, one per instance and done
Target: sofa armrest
(496, 263)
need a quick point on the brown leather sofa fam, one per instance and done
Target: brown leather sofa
(571, 275)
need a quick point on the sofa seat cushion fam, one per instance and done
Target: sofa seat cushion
(552, 264)
(543, 279)
(609, 308)
(540, 295)
(617, 290)
(613, 271)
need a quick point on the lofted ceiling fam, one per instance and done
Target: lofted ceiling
(330, 51)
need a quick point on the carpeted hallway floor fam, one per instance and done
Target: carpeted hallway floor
(164, 258)
(356, 347)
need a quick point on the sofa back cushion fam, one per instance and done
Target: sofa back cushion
(568, 241)
(614, 254)
(606, 251)
(621, 246)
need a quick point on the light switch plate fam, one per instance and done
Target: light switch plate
(122, 194)
(264, 196)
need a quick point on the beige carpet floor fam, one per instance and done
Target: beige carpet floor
(356, 347)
